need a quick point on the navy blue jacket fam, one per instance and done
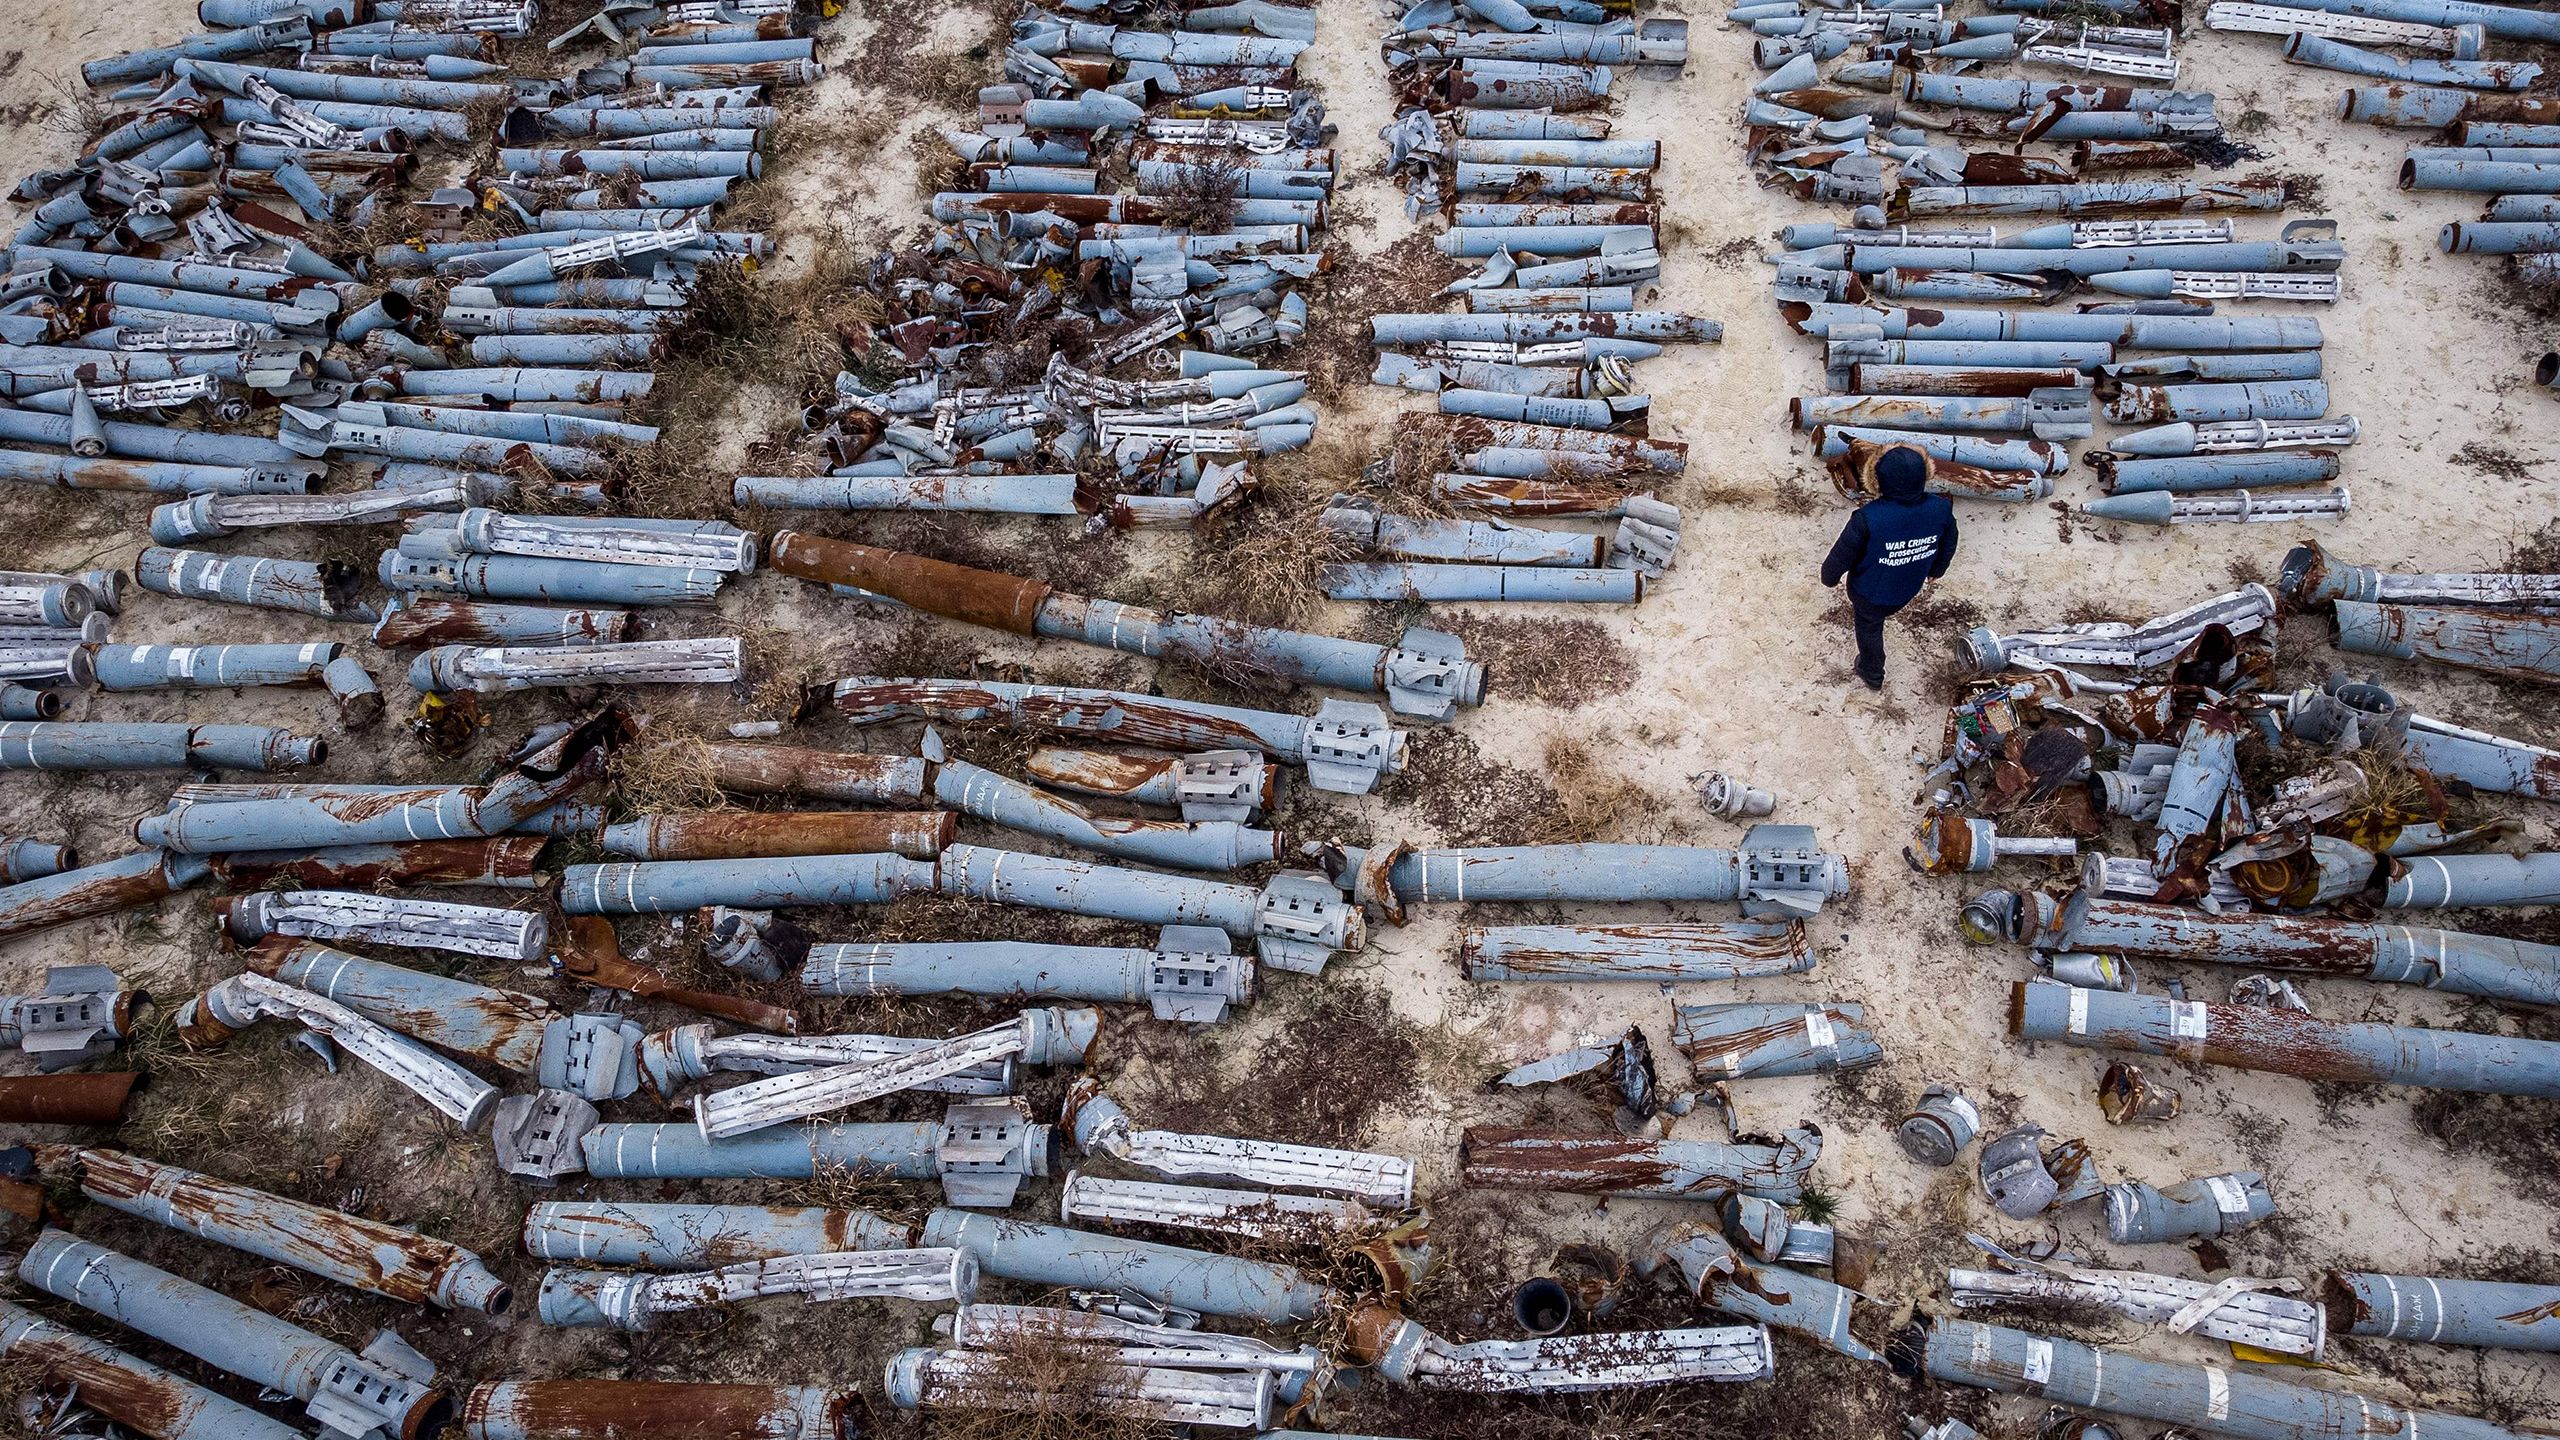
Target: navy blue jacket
(1893, 544)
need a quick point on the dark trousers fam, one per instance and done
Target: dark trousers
(1867, 618)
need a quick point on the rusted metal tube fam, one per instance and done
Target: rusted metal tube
(143, 878)
(2519, 971)
(744, 769)
(1728, 950)
(359, 1253)
(1231, 780)
(2501, 642)
(136, 1394)
(499, 1026)
(1423, 679)
(1506, 1159)
(84, 1099)
(660, 1409)
(747, 834)
(2282, 1042)
(683, 1237)
(505, 861)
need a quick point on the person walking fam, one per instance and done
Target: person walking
(1891, 547)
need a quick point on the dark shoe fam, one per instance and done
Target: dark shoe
(1871, 684)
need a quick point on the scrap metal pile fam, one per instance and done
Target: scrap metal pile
(1502, 134)
(2233, 409)
(987, 378)
(2277, 821)
(2346, 810)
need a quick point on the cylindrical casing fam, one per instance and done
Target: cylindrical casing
(1509, 1159)
(1663, 953)
(22, 859)
(987, 967)
(325, 589)
(2442, 1310)
(667, 886)
(2190, 473)
(2140, 1214)
(505, 861)
(158, 667)
(420, 618)
(81, 1099)
(1407, 580)
(2502, 642)
(1200, 845)
(212, 1327)
(1055, 1257)
(658, 1409)
(673, 1236)
(2428, 882)
(1589, 872)
(527, 577)
(892, 1151)
(142, 878)
(2237, 1404)
(749, 834)
(748, 769)
(133, 1393)
(363, 1254)
(982, 494)
(2518, 971)
(2284, 1042)
(499, 1026)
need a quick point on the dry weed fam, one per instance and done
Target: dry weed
(1591, 803)
(1564, 663)
(671, 775)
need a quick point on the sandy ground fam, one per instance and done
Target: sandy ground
(1741, 664)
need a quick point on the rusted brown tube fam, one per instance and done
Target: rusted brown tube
(94, 1099)
(364, 1254)
(743, 769)
(749, 834)
(125, 883)
(659, 1409)
(937, 587)
(498, 860)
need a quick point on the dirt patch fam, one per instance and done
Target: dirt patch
(1337, 1057)
(2495, 461)
(2519, 1135)
(1564, 663)
(1467, 798)
(1943, 614)
(1591, 803)
(2537, 553)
